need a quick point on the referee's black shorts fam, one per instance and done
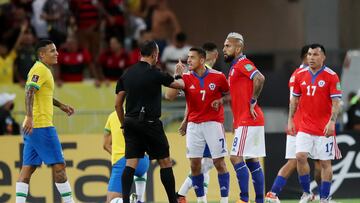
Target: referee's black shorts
(145, 136)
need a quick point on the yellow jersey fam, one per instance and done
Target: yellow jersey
(42, 79)
(118, 142)
(7, 68)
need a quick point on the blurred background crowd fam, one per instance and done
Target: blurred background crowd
(98, 39)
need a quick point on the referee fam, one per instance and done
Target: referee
(143, 131)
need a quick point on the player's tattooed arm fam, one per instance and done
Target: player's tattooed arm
(29, 102)
(294, 101)
(335, 109)
(258, 83)
(292, 109)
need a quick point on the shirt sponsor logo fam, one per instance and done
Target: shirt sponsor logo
(212, 86)
(249, 67)
(35, 78)
(321, 83)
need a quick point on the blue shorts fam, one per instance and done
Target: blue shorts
(207, 153)
(117, 171)
(42, 145)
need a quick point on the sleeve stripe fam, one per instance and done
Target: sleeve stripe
(33, 85)
(253, 74)
(107, 130)
(296, 95)
(336, 95)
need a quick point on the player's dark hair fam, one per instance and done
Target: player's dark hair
(209, 46)
(181, 37)
(147, 48)
(41, 44)
(304, 51)
(314, 46)
(200, 51)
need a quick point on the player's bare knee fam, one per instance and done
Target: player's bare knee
(301, 157)
(165, 163)
(195, 165)
(236, 159)
(59, 173)
(325, 164)
(220, 165)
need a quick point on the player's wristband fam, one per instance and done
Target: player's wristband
(178, 77)
(252, 101)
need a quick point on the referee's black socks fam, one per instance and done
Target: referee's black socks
(168, 180)
(127, 180)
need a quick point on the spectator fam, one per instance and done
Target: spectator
(87, 17)
(72, 61)
(172, 53)
(353, 113)
(113, 10)
(26, 57)
(56, 13)
(7, 59)
(39, 24)
(8, 125)
(161, 21)
(134, 54)
(114, 60)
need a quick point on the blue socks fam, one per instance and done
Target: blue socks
(224, 181)
(278, 185)
(242, 175)
(305, 183)
(258, 180)
(325, 189)
(198, 184)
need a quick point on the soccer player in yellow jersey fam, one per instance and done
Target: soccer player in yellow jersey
(114, 143)
(41, 142)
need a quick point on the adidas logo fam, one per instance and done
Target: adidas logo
(192, 87)
(223, 188)
(223, 151)
(303, 83)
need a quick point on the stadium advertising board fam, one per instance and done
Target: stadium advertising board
(346, 178)
(88, 169)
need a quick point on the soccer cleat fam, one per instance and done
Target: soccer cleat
(327, 200)
(271, 198)
(306, 197)
(133, 198)
(181, 199)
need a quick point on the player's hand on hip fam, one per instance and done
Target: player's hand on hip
(291, 127)
(329, 129)
(216, 104)
(67, 109)
(252, 111)
(28, 125)
(182, 128)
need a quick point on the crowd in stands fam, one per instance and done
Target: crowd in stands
(95, 39)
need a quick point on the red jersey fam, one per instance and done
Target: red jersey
(200, 92)
(291, 88)
(241, 91)
(315, 92)
(72, 64)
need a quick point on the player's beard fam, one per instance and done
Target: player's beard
(229, 58)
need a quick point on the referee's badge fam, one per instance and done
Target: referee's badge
(321, 83)
(212, 86)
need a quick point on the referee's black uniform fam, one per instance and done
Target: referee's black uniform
(144, 133)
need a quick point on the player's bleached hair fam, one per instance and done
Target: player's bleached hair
(237, 36)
